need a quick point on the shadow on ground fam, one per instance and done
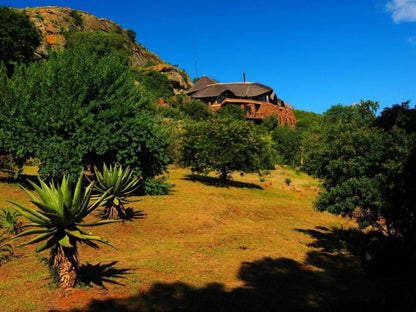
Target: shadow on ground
(328, 280)
(217, 182)
(99, 274)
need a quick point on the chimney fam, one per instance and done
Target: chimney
(244, 77)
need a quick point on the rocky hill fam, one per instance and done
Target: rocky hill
(53, 22)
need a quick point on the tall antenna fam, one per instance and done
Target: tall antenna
(194, 51)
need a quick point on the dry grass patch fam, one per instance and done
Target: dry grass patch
(215, 243)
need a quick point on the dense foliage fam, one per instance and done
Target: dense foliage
(154, 85)
(18, 38)
(99, 43)
(221, 144)
(368, 168)
(77, 110)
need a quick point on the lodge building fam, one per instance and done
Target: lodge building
(258, 100)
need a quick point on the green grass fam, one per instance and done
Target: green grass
(209, 248)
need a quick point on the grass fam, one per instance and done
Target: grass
(210, 247)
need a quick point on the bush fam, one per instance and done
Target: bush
(77, 110)
(221, 144)
(18, 38)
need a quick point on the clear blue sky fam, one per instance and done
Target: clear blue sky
(314, 54)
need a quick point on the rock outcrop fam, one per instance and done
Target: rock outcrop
(53, 22)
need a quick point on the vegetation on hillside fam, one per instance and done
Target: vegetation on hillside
(18, 38)
(86, 106)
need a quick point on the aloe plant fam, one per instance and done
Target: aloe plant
(6, 249)
(58, 219)
(118, 184)
(9, 220)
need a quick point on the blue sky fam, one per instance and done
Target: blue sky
(314, 54)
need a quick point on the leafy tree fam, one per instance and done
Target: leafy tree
(367, 167)
(60, 213)
(77, 110)
(231, 111)
(196, 110)
(99, 43)
(18, 38)
(287, 143)
(154, 85)
(221, 144)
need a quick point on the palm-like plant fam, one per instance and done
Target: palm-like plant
(118, 184)
(6, 249)
(57, 221)
(9, 220)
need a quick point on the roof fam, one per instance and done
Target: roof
(201, 84)
(240, 89)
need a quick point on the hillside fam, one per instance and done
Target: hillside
(54, 22)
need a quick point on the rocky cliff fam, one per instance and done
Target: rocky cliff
(53, 22)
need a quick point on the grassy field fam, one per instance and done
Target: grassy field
(245, 246)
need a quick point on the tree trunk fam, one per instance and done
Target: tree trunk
(224, 175)
(66, 261)
(114, 212)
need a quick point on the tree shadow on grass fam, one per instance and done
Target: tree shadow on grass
(22, 180)
(334, 283)
(99, 274)
(217, 182)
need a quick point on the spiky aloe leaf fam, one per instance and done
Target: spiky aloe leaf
(60, 209)
(66, 242)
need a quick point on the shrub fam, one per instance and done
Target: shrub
(77, 110)
(6, 249)
(9, 220)
(118, 185)
(221, 144)
(58, 219)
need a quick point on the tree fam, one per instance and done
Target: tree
(221, 144)
(287, 143)
(99, 43)
(60, 213)
(367, 167)
(77, 110)
(154, 85)
(18, 38)
(231, 111)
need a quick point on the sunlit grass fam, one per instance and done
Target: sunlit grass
(198, 234)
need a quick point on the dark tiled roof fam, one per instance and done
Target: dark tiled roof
(241, 89)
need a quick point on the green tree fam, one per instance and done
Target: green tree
(367, 167)
(196, 110)
(287, 143)
(77, 110)
(99, 43)
(154, 85)
(18, 38)
(231, 111)
(221, 144)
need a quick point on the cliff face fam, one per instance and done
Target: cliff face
(53, 22)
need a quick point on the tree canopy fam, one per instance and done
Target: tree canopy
(221, 144)
(76, 110)
(18, 38)
(367, 164)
